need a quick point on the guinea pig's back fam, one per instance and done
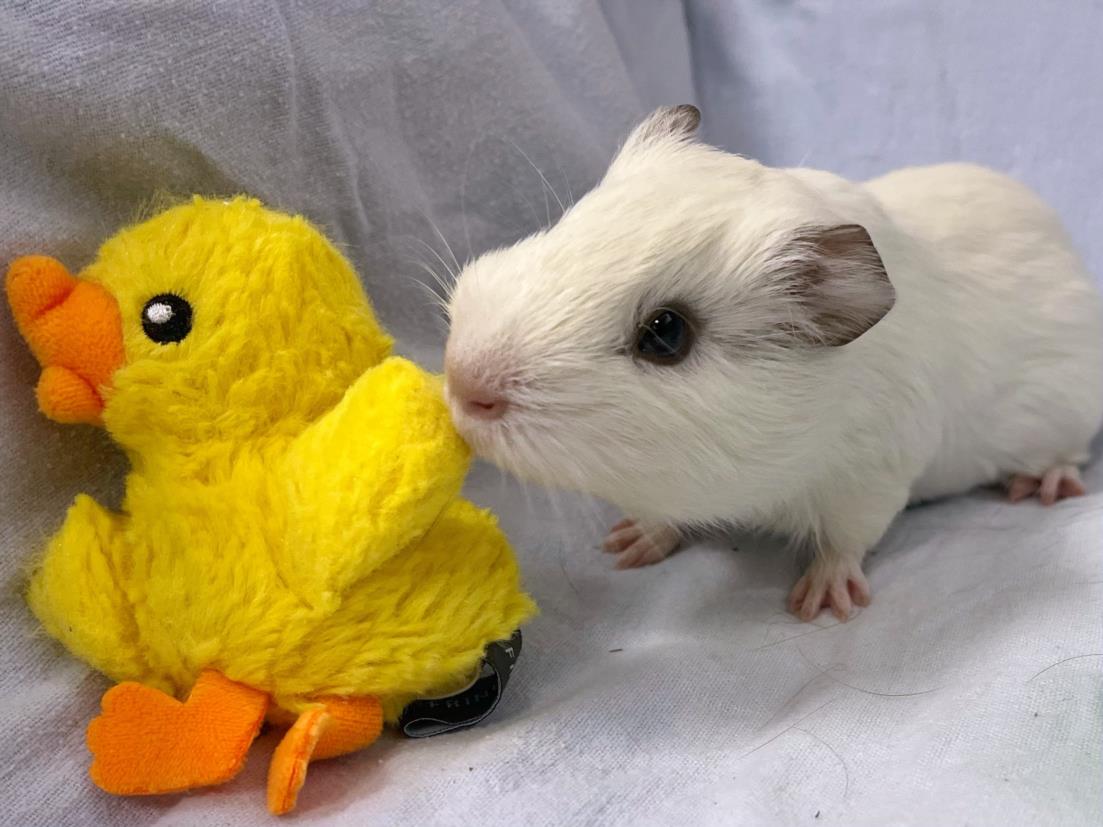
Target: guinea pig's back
(1024, 315)
(974, 215)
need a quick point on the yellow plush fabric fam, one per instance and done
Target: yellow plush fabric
(292, 518)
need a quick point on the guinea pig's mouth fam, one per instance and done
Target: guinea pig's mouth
(508, 422)
(483, 400)
(520, 442)
(494, 428)
(479, 422)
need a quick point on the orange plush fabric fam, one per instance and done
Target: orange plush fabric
(74, 329)
(334, 726)
(147, 742)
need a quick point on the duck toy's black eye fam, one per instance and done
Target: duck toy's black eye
(665, 338)
(166, 318)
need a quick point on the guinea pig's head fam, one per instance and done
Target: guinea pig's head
(669, 342)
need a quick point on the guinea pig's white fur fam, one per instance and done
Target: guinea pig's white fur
(988, 365)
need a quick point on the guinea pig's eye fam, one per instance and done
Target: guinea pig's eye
(665, 338)
(166, 318)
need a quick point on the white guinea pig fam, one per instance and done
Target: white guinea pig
(706, 340)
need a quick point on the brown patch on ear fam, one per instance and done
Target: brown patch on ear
(678, 122)
(841, 285)
(666, 125)
(681, 120)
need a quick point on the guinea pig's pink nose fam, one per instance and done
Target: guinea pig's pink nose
(475, 392)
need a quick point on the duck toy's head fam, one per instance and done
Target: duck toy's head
(215, 320)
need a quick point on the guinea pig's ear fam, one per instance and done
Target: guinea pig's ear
(840, 283)
(667, 123)
(677, 122)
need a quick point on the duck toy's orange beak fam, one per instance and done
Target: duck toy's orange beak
(74, 329)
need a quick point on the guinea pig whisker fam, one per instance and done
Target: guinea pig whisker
(463, 197)
(567, 183)
(447, 267)
(440, 281)
(439, 301)
(545, 181)
(434, 298)
(447, 246)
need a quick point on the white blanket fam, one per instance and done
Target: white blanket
(968, 693)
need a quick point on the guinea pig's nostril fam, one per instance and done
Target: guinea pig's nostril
(474, 393)
(485, 407)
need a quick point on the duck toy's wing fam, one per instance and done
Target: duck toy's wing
(367, 479)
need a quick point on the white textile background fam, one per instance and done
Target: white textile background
(968, 693)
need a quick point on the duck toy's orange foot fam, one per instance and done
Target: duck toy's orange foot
(148, 743)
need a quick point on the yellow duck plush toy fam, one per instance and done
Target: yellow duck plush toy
(292, 543)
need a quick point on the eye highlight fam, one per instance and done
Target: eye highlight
(665, 338)
(166, 318)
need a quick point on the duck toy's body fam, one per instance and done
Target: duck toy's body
(292, 544)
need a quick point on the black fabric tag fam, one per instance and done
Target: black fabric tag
(435, 716)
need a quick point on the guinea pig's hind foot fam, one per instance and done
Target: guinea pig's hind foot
(637, 543)
(835, 584)
(1058, 483)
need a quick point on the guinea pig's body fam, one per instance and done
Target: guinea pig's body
(1007, 327)
(705, 340)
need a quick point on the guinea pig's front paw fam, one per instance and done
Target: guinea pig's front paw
(836, 584)
(639, 543)
(1058, 483)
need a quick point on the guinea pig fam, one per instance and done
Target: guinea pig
(705, 340)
